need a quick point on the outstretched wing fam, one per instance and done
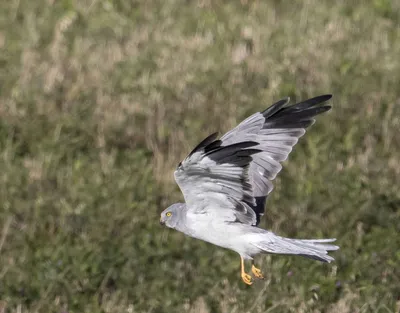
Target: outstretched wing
(231, 177)
(277, 130)
(214, 180)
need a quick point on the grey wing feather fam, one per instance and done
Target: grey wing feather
(214, 179)
(230, 178)
(276, 129)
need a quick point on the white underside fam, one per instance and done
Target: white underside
(238, 237)
(249, 240)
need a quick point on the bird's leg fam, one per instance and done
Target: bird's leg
(256, 271)
(245, 277)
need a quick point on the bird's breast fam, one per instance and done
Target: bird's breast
(215, 231)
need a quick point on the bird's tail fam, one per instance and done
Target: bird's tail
(316, 249)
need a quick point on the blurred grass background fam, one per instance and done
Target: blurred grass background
(100, 100)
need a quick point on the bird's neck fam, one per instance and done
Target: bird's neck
(182, 224)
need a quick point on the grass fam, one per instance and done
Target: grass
(100, 100)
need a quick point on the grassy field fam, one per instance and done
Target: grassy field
(101, 99)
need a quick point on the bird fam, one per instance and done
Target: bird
(225, 183)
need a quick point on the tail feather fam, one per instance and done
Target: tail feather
(316, 249)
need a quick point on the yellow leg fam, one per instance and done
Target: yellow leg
(256, 271)
(245, 277)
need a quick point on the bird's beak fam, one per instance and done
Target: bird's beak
(162, 222)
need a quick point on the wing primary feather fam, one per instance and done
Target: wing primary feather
(275, 107)
(299, 115)
(310, 102)
(205, 142)
(284, 123)
(240, 157)
(237, 170)
(233, 156)
(212, 146)
(224, 150)
(278, 108)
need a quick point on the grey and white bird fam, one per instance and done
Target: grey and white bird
(225, 183)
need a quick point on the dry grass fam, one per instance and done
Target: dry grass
(99, 100)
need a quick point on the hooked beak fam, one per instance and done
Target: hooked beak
(162, 222)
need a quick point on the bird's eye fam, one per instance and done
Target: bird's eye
(168, 214)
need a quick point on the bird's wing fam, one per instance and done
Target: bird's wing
(231, 177)
(277, 130)
(214, 180)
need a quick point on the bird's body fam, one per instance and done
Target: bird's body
(225, 183)
(248, 240)
(236, 237)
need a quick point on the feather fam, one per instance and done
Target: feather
(240, 166)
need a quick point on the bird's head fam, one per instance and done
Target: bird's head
(172, 215)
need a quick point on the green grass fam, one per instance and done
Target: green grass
(100, 100)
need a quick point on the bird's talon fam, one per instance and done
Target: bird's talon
(247, 279)
(257, 272)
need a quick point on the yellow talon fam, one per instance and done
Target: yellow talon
(257, 272)
(245, 277)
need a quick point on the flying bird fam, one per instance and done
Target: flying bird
(225, 183)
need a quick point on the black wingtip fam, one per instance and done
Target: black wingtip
(327, 108)
(309, 103)
(322, 98)
(281, 105)
(275, 107)
(233, 147)
(320, 110)
(205, 142)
